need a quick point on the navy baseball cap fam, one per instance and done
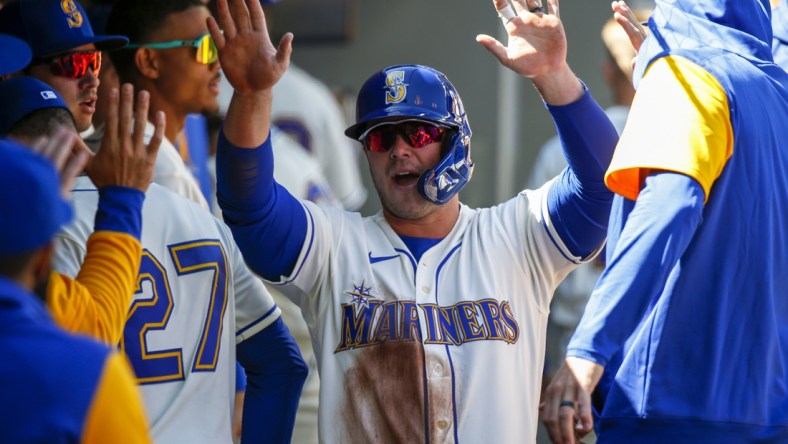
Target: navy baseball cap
(21, 96)
(33, 208)
(54, 26)
(14, 54)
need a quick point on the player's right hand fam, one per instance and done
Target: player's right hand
(249, 60)
(123, 158)
(566, 407)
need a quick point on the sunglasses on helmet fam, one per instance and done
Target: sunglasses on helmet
(380, 139)
(73, 65)
(206, 48)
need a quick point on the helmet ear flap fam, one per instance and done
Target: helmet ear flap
(441, 182)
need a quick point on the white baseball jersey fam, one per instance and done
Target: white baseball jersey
(449, 349)
(196, 299)
(172, 173)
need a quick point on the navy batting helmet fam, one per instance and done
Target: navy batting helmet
(420, 93)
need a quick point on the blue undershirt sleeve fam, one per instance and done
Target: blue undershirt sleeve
(578, 201)
(120, 210)
(275, 375)
(268, 223)
(655, 235)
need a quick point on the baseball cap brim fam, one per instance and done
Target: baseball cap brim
(15, 54)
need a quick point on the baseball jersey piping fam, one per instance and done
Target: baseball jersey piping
(412, 261)
(308, 249)
(448, 351)
(552, 234)
(257, 321)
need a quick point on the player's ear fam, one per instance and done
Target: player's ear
(147, 62)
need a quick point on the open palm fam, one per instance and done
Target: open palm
(249, 60)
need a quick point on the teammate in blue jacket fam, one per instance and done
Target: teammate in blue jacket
(684, 337)
(425, 315)
(56, 387)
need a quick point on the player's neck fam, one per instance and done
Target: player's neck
(435, 225)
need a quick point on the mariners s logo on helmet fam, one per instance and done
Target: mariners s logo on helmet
(396, 89)
(74, 18)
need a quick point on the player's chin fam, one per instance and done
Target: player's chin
(210, 106)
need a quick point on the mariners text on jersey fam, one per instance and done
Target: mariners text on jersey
(367, 322)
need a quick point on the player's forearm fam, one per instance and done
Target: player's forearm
(655, 235)
(579, 201)
(559, 87)
(248, 120)
(268, 223)
(275, 374)
(97, 301)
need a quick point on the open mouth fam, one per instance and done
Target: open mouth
(405, 179)
(88, 105)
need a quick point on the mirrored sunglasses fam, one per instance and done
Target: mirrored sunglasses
(73, 65)
(416, 134)
(206, 48)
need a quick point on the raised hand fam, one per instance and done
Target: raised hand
(249, 60)
(536, 43)
(536, 48)
(627, 19)
(124, 159)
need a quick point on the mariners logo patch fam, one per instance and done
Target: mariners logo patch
(74, 18)
(396, 88)
(360, 294)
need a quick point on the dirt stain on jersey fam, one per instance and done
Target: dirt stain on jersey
(385, 394)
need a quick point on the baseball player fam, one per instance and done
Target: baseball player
(428, 319)
(96, 301)
(56, 387)
(684, 337)
(171, 56)
(190, 299)
(66, 53)
(194, 293)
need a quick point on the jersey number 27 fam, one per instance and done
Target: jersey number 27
(154, 313)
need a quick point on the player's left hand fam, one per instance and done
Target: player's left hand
(566, 407)
(536, 43)
(536, 48)
(249, 60)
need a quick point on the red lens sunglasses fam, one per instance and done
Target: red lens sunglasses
(416, 134)
(74, 65)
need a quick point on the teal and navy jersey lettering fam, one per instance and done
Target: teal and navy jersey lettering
(690, 317)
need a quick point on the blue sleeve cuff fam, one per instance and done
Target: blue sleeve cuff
(120, 210)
